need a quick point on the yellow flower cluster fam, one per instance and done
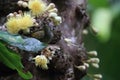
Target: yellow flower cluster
(41, 61)
(15, 24)
(37, 7)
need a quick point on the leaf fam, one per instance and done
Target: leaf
(13, 61)
(27, 44)
(5, 36)
(27, 75)
(31, 44)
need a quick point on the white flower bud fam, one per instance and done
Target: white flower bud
(92, 53)
(20, 3)
(95, 65)
(53, 10)
(87, 65)
(95, 30)
(52, 14)
(10, 15)
(67, 40)
(85, 32)
(34, 20)
(82, 67)
(50, 6)
(98, 76)
(58, 19)
(93, 60)
(25, 4)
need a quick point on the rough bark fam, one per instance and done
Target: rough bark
(62, 66)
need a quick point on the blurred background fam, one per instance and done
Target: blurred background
(105, 18)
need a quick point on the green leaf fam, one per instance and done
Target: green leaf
(27, 75)
(31, 44)
(27, 44)
(13, 61)
(10, 38)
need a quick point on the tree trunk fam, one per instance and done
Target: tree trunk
(62, 66)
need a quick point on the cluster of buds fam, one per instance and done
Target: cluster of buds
(71, 42)
(93, 61)
(22, 3)
(52, 10)
(95, 76)
(39, 7)
(49, 51)
(93, 30)
(20, 21)
(15, 14)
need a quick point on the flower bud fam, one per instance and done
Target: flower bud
(98, 76)
(50, 6)
(87, 65)
(58, 19)
(82, 67)
(52, 14)
(10, 15)
(93, 60)
(92, 53)
(85, 32)
(95, 65)
(25, 4)
(20, 3)
(53, 10)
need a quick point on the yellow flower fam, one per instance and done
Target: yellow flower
(37, 6)
(15, 24)
(12, 26)
(26, 21)
(41, 61)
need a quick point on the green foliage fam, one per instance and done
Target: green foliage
(98, 3)
(30, 44)
(108, 52)
(13, 61)
(5, 36)
(101, 21)
(102, 17)
(27, 44)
